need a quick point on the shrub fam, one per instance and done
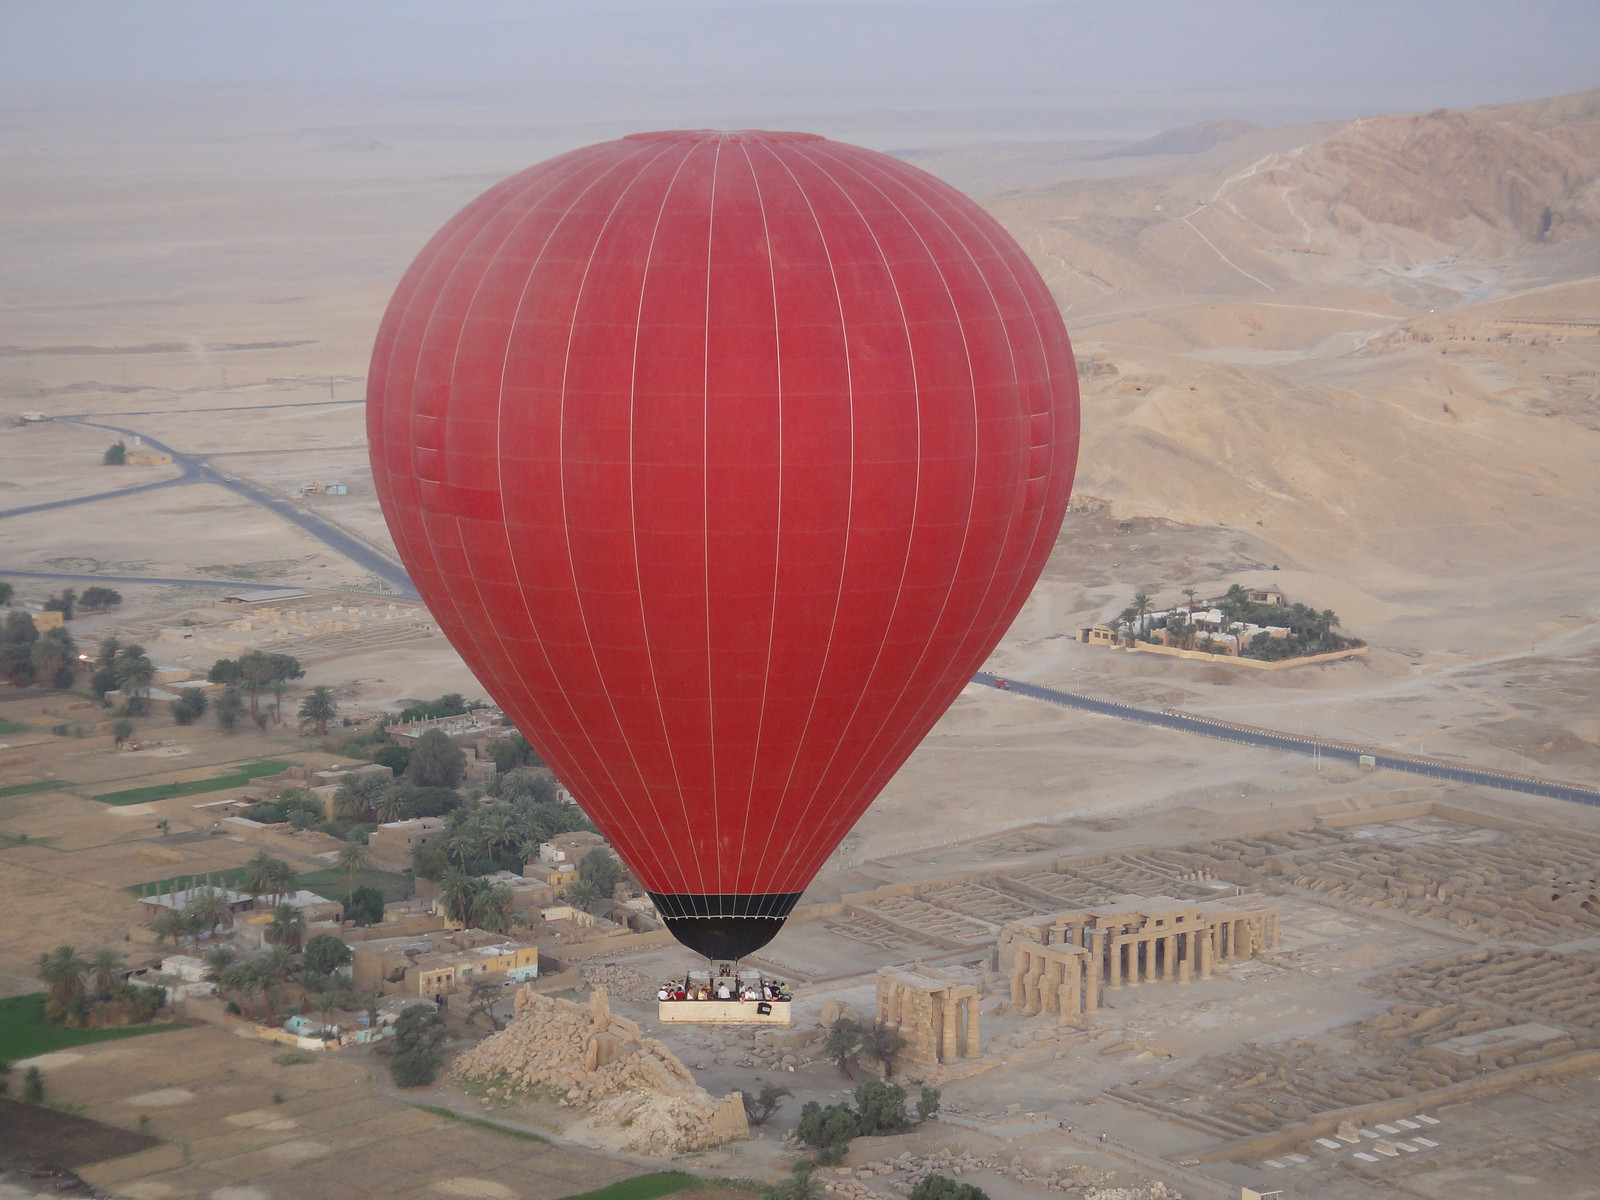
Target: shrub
(881, 1108)
(828, 1130)
(33, 1086)
(927, 1103)
(414, 1068)
(396, 758)
(364, 906)
(937, 1187)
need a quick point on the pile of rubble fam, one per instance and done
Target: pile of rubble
(904, 1172)
(618, 979)
(636, 1094)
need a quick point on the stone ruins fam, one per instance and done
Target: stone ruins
(1056, 963)
(937, 1015)
(637, 1094)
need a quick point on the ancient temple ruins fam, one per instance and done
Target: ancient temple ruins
(1060, 963)
(935, 1012)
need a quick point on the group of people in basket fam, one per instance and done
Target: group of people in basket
(724, 988)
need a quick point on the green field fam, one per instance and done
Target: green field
(38, 785)
(642, 1187)
(195, 787)
(233, 878)
(24, 1032)
(330, 882)
(11, 726)
(333, 882)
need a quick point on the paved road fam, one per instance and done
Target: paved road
(197, 470)
(232, 585)
(1269, 739)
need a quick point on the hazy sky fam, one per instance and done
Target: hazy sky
(1270, 60)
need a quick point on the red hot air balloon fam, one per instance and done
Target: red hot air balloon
(723, 459)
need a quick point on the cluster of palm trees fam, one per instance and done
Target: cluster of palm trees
(84, 990)
(475, 902)
(126, 665)
(269, 975)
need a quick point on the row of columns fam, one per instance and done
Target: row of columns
(939, 1024)
(1059, 979)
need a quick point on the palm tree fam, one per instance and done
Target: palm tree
(63, 971)
(318, 708)
(326, 1001)
(352, 858)
(283, 876)
(211, 906)
(255, 668)
(103, 967)
(583, 893)
(229, 708)
(369, 1005)
(1141, 611)
(352, 799)
(134, 672)
(246, 979)
(259, 874)
(287, 928)
(277, 687)
(1190, 594)
(494, 911)
(455, 894)
(53, 654)
(169, 923)
(219, 961)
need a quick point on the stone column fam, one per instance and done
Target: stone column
(974, 1042)
(1205, 953)
(1114, 981)
(1169, 954)
(947, 1040)
(1246, 946)
(1030, 983)
(1072, 981)
(1274, 920)
(1018, 973)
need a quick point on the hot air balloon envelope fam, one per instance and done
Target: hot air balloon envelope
(723, 459)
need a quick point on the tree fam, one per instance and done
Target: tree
(230, 707)
(364, 906)
(938, 1187)
(396, 758)
(485, 994)
(103, 967)
(1189, 594)
(927, 1102)
(5, 1070)
(63, 971)
(325, 954)
(418, 1036)
(62, 603)
(287, 927)
(106, 656)
(601, 868)
(116, 454)
(759, 1109)
(881, 1108)
(352, 858)
(121, 730)
(277, 687)
(844, 1040)
(801, 1184)
(255, 671)
(512, 752)
(54, 656)
(33, 1086)
(318, 708)
(189, 707)
(436, 761)
(99, 599)
(211, 906)
(828, 1130)
(219, 961)
(246, 979)
(6, 592)
(326, 1001)
(169, 923)
(884, 1043)
(356, 794)
(583, 894)
(262, 873)
(1141, 611)
(134, 672)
